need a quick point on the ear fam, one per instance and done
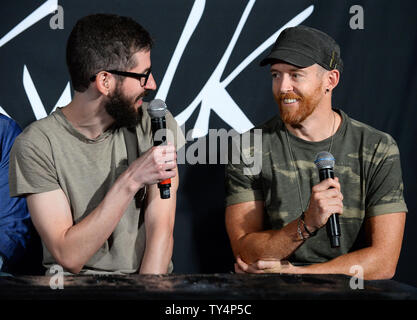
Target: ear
(105, 82)
(333, 77)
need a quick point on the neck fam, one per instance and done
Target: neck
(87, 114)
(320, 125)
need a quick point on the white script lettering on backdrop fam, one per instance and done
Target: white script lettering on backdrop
(212, 97)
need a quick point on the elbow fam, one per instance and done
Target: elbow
(74, 269)
(71, 267)
(68, 263)
(247, 250)
(388, 267)
(386, 274)
(381, 264)
(381, 275)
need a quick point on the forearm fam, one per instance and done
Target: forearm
(378, 260)
(158, 252)
(374, 263)
(270, 244)
(159, 224)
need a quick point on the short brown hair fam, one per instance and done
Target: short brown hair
(101, 42)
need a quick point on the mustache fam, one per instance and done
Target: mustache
(144, 94)
(289, 95)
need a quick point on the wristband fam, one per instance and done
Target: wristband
(311, 234)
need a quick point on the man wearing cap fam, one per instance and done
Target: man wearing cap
(276, 219)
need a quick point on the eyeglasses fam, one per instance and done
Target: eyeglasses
(142, 77)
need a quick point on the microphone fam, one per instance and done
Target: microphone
(325, 163)
(157, 110)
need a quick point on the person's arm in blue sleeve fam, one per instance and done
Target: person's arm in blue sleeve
(14, 215)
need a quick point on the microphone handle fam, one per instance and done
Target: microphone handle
(158, 124)
(332, 225)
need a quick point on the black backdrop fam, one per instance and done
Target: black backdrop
(378, 86)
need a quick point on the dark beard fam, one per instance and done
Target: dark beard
(122, 111)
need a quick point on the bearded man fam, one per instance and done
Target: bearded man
(276, 219)
(72, 166)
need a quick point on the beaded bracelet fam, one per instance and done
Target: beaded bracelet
(299, 230)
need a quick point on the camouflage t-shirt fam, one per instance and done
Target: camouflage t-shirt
(367, 165)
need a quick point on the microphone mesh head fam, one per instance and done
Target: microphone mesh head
(324, 160)
(157, 108)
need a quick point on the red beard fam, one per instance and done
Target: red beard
(306, 105)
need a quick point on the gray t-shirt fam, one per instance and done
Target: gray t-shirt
(51, 154)
(367, 165)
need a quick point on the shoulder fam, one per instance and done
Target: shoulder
(9, 130)
(360, 128)
(271, 125)
(375, 144)
(265, 129)
(8, 127)
(37, 134)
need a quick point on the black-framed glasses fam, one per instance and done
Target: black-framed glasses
(142, 77)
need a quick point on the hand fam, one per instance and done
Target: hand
(153, 166)
(325, 200)
(264, 266)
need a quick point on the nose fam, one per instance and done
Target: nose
(285, 84)
(151, 83)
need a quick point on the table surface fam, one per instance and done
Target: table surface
(202, 287)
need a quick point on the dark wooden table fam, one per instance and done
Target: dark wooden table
(202, 287)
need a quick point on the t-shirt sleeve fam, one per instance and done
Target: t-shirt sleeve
(385, 188)
(31, 168)
(242, 177)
